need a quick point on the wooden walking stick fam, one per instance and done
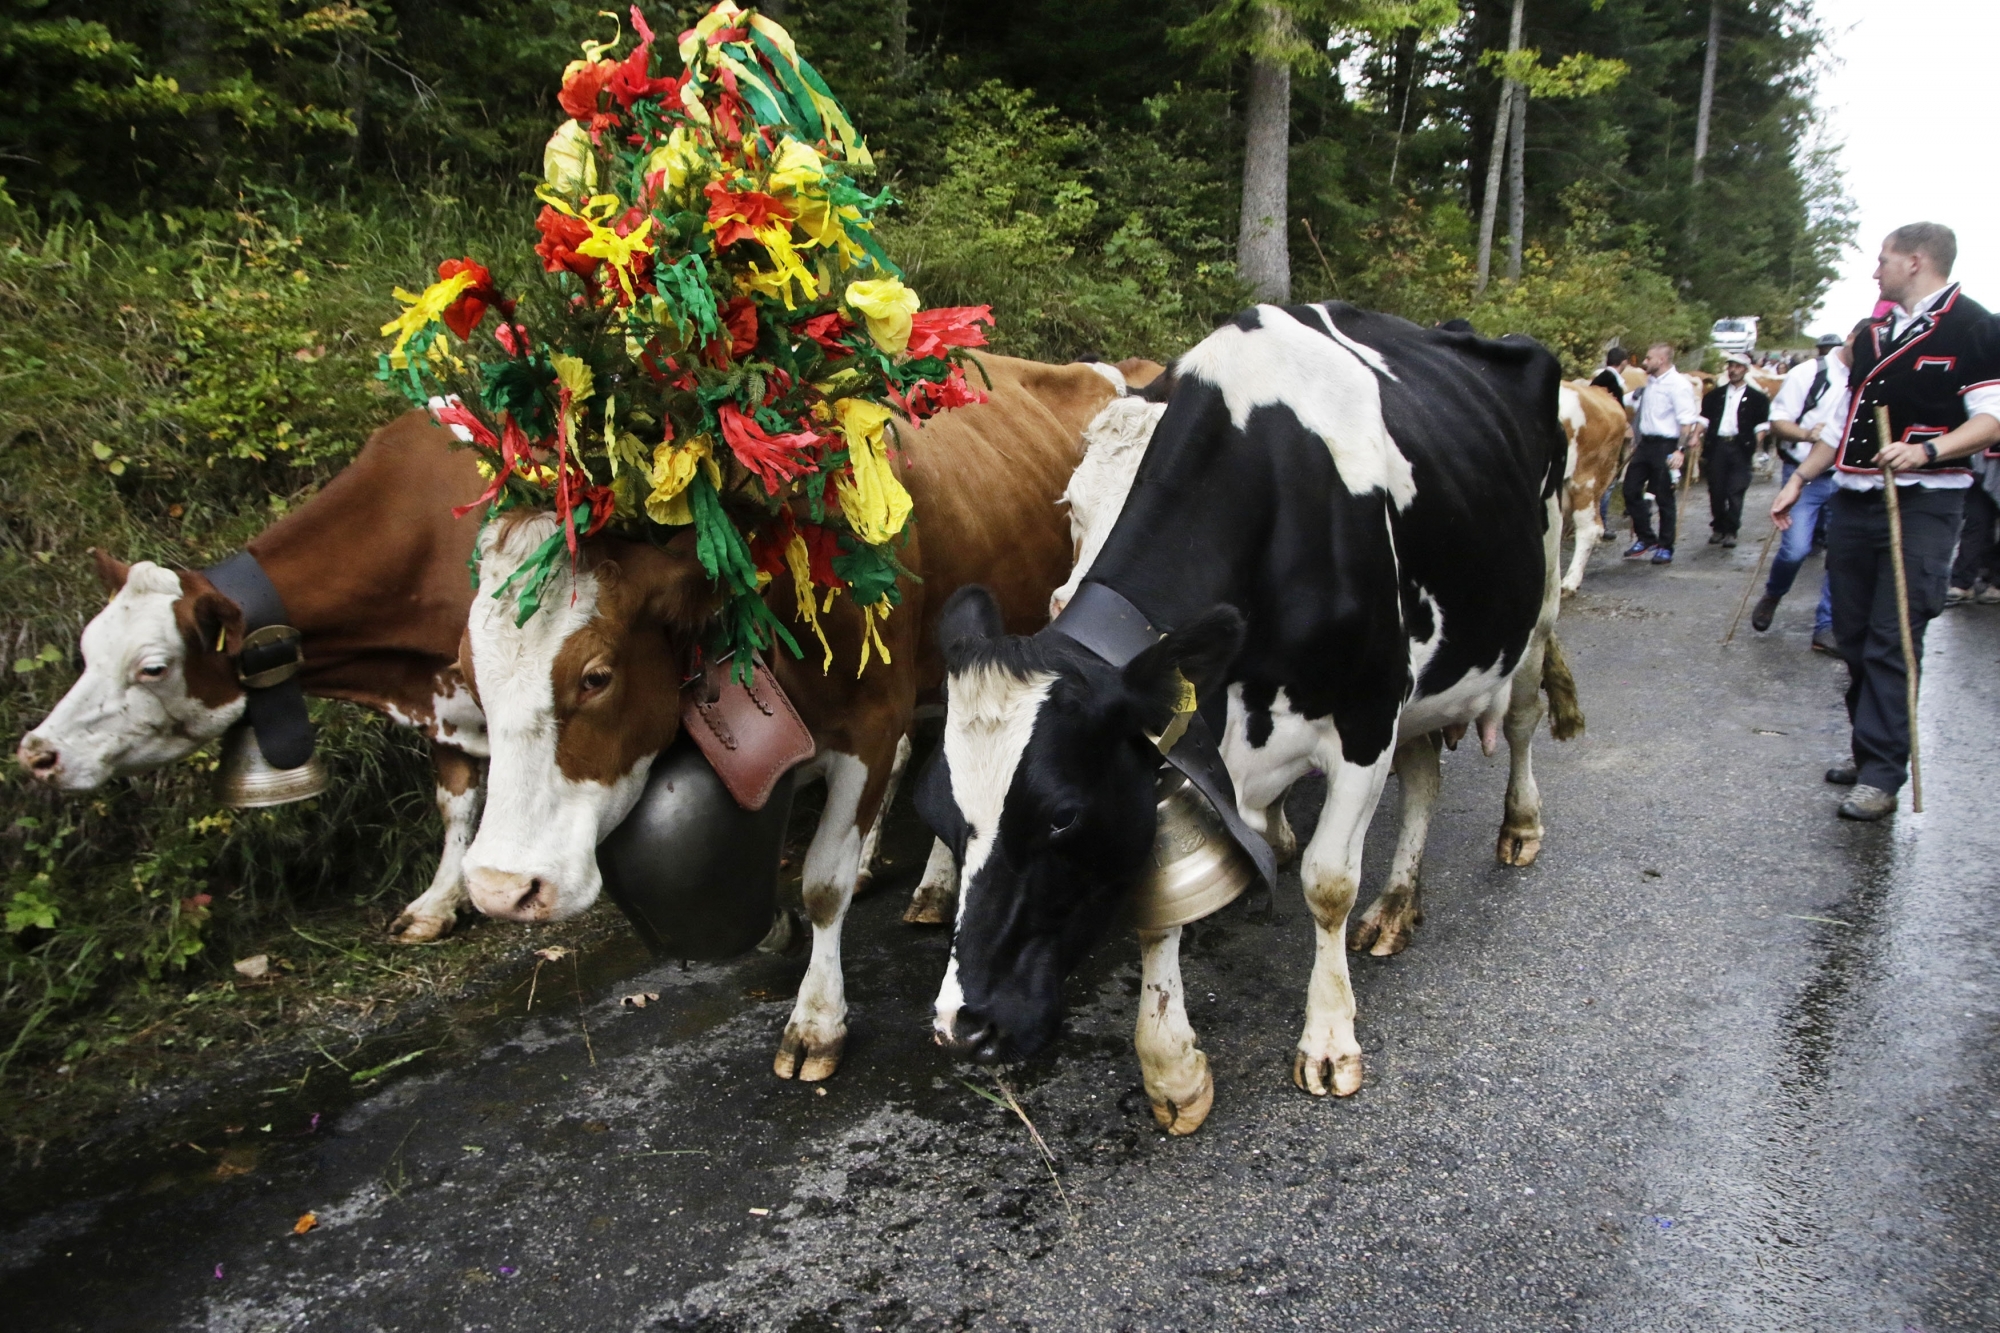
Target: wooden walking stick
(1755, 574)
(1902, 608)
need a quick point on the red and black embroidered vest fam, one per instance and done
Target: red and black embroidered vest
(1921, 377)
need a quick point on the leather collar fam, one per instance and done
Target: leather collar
(1105, 622)
(267, 665)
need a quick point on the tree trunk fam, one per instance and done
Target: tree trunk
(1262, 257)
(1409, 60)
(1707, 87)
(1517, 183)
(1489, 207)
(899, 38)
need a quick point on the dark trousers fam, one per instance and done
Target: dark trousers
(1648, 472)
(1865, 624)
(1727, 462)
(1975, 541)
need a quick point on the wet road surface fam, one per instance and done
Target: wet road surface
(1717, 1061)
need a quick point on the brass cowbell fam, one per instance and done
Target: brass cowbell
(1197, 867)
(247, 781)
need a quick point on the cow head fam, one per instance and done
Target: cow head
(1051, 808)
(158, 681)
(579, 700)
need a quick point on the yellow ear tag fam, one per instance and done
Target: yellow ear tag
(221, 636)
(1184, 705)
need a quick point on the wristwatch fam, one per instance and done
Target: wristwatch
(1930, 451)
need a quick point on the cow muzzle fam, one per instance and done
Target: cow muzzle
(973, 1035)
(510, 896)
(41, 758)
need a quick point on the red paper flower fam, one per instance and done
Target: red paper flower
(583, 86)
(933, 331)
(463, 315)
(738, 215)
(927, 398)
(629, 81)
(827, 330)
(740, 318)
(561, 234)
(776, 459)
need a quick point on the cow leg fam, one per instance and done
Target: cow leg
(810, 1048)
(872, 844)
(931, 904)
(435, 911)
(1176, 1071)
(1278, 832)
(1587, 529)
(1397, 911)
(1329, 1058)
(1521, 832)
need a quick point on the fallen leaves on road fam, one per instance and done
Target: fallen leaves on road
(306, 1222)
(253, 967)
(236, 1162)
(553, 954)
(640, 999)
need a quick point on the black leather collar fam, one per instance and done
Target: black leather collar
(268, 663)
(1104, 621)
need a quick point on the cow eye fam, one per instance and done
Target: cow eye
(1064, 825)
(596, 679)
(153, 671)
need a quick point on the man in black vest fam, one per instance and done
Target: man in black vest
(1610, 377)
(1735, 412)
(1934, 362)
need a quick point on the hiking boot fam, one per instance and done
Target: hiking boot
(1760, 614)
(1953, 596)
(1988, 595)
(1823, 643)
(1729, 542)
(1663, 555)
(1868, 803)
(1714, 538)
(1639, 550)
(1843, 774)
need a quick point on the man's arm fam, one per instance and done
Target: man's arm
(1981, 432)
(1817, 462)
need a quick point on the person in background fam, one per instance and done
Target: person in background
(1811, 405)
(1735, 412)
(1975, 540)
(1610, 377)
(1668, 420)
(1933, 365)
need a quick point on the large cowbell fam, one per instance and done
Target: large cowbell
(694, 872)
(247, 780)
(694, 867)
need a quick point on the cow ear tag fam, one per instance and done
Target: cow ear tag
(1184, 705)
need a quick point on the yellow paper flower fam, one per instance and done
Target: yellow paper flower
(569, 164)
(888, 305)
(679, 157)
(422, 310)
(674, 467)
(874, 502)
(797, 168)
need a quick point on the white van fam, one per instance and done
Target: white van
(1736, 334)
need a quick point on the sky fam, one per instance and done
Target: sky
(1909, 92)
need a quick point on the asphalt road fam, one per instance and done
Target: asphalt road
(1717, 1061)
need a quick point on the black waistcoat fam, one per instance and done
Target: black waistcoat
(1921, 378)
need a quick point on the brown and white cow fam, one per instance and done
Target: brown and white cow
(1595, 423)
(372, 573)
(582, 698)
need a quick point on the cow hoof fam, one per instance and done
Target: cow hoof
(808, 1061)
(1180, 1118)
(1319, 1075)
(1387, 926)
(927, 912)
(410, 928)
(1519, 849)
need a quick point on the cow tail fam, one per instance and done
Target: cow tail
(1565, 714)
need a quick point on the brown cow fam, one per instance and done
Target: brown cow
(371, 571)
(1595, 424)
(581, 698)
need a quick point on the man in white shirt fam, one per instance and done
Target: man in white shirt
(1811, 406)
(1735, 412)
(1668, 419)
(1932, 363)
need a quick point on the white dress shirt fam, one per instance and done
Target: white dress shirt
(1732, 399)
(1830, 412)
(1665, 403)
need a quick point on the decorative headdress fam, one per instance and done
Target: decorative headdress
(722, 343)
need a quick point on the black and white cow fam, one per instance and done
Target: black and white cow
(1348, 526)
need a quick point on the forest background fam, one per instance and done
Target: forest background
(205, 203)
